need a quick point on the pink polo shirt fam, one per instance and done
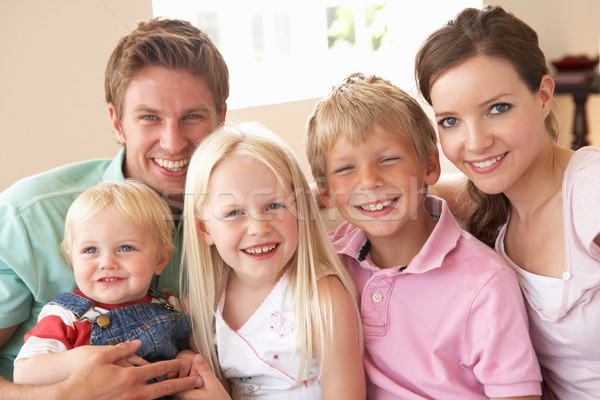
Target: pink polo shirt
(451, 325)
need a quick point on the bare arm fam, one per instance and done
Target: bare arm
(48, 368)
(452, 187)
(6, 333)
(99, 377)
(343, 375)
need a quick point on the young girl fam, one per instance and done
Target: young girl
(258, 260)
(537, 203)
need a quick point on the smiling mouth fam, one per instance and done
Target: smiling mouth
(173, 166)
(109, 279)
(377, 206)
(260, 249)
(488, 163)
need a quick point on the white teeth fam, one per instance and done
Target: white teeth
(378, 206)
(488, 163)
(108, 279)
(260, 250)
(172, 165)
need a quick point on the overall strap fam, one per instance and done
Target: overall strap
(73, 302)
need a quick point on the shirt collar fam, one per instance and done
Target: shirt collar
(114, 172)
(354, 243)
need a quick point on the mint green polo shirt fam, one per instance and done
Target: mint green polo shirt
(32, 269)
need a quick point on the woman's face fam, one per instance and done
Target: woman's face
(491, 126)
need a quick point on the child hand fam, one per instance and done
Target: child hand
(187, 356)
(212, 388)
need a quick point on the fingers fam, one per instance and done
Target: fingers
(171, 386)
(121, 351)
(212, 386)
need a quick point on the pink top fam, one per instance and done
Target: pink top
(564, 314)
(451, 325)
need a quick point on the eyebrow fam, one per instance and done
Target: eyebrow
(142, 108)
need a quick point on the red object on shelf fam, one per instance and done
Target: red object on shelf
(575, 63)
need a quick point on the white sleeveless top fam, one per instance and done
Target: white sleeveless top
(261, 359)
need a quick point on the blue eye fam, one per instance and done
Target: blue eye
(499, 108)
(233, 213)
(126, 247)
(447, 122)
(275, 206)
(90, 250)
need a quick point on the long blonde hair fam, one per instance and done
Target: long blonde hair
(314, 257)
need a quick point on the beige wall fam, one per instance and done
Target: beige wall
(564, 27)
(52, 108)
(54, 53)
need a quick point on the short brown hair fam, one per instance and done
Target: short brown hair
(354, 108)
(171, 43)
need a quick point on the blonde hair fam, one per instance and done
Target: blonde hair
(314, 257)
(136, 201)
(354, 108)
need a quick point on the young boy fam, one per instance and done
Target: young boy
(117, 237)
(443, 315)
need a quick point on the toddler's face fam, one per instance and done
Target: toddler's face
(113, 258)
(377, 184)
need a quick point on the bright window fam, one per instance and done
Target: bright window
(280, 51)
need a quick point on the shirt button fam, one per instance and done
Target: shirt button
(562, 313)
(567, 276)
(377, 297)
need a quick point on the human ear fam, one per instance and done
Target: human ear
(162, 261)
(546, 93)
(325, 198)
(204, 234)
(433, 169)
(116, 125)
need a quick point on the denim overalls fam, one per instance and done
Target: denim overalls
(163, 330)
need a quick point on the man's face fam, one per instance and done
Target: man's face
(166, 113)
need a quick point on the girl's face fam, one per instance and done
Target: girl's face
(250, 218)
(491, 126)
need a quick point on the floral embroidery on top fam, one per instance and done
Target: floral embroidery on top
(281, 324)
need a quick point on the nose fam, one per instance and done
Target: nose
(172, 138)
(370, 178)
(108, 262)
(478, 139)
(259, 225)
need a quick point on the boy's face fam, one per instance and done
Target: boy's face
(377, 184)
(113, 258)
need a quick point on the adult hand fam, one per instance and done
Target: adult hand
(211, 390)
(101, 378)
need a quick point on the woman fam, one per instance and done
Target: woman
(537, 203)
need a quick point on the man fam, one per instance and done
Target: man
(166, 87)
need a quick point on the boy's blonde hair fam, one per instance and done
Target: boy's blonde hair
(354, 108)
(314, 257)
(136, 201)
